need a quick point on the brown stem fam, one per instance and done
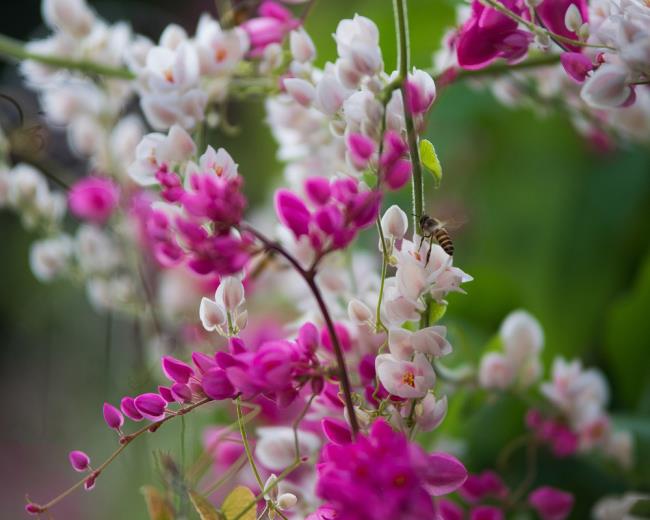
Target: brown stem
(124, 442)
(309, 277)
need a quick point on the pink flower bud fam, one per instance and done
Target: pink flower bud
(360, 148)
(318, 189)
(33, 509)
(79, 460)
(166, 394)
(181, 393)
(176, 370)
(292, 212)
(302, 91)
(420, 92)
(398, 174)
(308, 337)
(113, 417)
(151, 406)
(203, 362)
(551, 503)
(576, 65)
(302, 46)
(128, 408)
(90, 481)
(336, 431)
(93, 199)
(216, 384)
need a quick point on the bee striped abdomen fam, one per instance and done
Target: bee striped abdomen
(443, 238)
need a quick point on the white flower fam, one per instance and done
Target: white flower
(357, 41)
(50, 257)
(301, 90)
(572, 18)
(407, 379)
(330, 94)
(212, 314)
(430, 412)
(358, 312)
(607, 87)
(430, 340)
(70, 16)
(394, 223)
(231, 292)
(275, 448)
(156, 150)
(522, 336)
(219, 162)
(219, 51)
(95, 250)
(302, 46)
(495, 371)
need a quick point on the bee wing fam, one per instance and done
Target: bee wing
(454, 223)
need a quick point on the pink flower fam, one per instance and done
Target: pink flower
(361, 148)
(127, 405)
(176, 370)
(216, 384)
(420, 92)
(576, 65)
(489, 35)
(551, 503)
(292, 212)
(93, 199)
(273, 24)
(79, 460)
(483, 485)
(552, 14)
(486, 513)
(383, 476)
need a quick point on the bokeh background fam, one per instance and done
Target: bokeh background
(553, 227)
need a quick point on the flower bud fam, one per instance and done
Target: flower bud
(551, 503)
(302, 46)
(576, 65)
(430, 412)
(79, 460)
(301, 90)
(336, 431)
(113, 417)
(273, 492)
(420, 92)
(181, 393)
(287, 501)
(394, 223)
(292, 212)
(128, 408)
(318, 189)
(573, 18)
(211, 314)
(330, 94)
(242, 320)
(176, 370)
(360, 149)
(359, 312)
(231, 290)
(33, 509)
(166, 394)
(71, 16)
(151, 406)
(398, 174)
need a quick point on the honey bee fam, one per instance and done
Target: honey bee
(431, 229)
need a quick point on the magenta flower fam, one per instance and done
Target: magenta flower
(215, 198)
(483, 485)
(384, 476)
(176, 370)
(79, 460)
(576, 65)
(216, 384)
(151, 406)
(486, 513)
(551, 503)
(552, 14)
(127, 405)
(360, 148)
(489, 35)
(292, 212)
(93, 199)
(113, 417)
(271, 26)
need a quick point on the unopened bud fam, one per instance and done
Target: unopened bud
(272, 494)
(394, 223)
(302, 46)
(359, 312)
(287, 501)
(232, 291)
(573, 18)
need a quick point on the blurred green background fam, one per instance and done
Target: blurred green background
(554, 227)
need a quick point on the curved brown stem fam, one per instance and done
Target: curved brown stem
(309, 277)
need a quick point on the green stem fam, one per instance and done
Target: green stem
(399, 7)
(505, 68)
(384, 268)
(247, 448)
(11, 48)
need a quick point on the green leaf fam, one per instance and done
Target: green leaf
(237, 501)
(158, 507)
(436, 312)
(204, 508)
(430, 160)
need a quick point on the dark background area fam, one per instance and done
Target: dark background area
(554, 227)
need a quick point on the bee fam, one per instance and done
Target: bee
(432, 228)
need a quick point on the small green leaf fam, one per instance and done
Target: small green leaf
(204, 508)
(436, 312)
(158, 507)
(237, 501)
(430, 160)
